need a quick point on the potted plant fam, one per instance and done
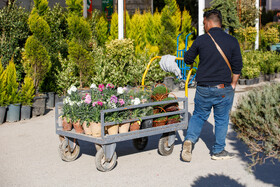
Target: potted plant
(160, 92)
(159, 121)
(66, 120)
(170, 107)
(13, 112)
(26, 97)
(173, 119)
(3, 95)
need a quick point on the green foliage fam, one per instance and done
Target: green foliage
(75, 6)
(160, 90)
(268, 36)
(249, 13)
(93, 21)
(36, 60)
(114, 27)
(251, 67)
(119, 57)
(174, 117)
(65, 76)
(82, 59)
(168, 36)
(229, 13)
(136, 33)
(27, 91)
(39, 27)
(257, 122)
(102, 30)
(79, 29)
(10, 79)
(3, 86)
(246, 37)
(13, 32)
(187, 25)
(40, 7)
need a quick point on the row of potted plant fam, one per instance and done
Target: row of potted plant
(15, 99)
(82, 111)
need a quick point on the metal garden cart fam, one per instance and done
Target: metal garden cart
(106, 157)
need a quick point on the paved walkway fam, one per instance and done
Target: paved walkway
(29, 157)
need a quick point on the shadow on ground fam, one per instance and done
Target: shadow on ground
(267, 172)
(215, 180)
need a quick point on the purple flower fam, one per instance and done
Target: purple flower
(121, 101)
(114, 99)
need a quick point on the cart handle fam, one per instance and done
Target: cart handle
(159, 57)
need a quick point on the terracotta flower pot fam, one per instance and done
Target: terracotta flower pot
(78, 127)
(123, 128)
(87, 128)
(135, 126)
(113, 129)
(95, 129)
(65, 125)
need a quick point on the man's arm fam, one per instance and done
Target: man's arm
(191, 54)
(235, 78)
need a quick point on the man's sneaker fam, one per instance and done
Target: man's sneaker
(187, 151)
(222, 155)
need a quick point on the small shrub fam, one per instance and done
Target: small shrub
(27, 92)
(10, 79)
(257, 122)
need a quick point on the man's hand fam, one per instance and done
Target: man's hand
(235, 78)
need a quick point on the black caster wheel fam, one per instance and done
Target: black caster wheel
(66, 153)
(103, 165)
(140, 143)
(163, 147)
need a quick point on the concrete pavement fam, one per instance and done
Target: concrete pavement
(29, 157)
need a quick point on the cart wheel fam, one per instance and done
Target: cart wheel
(140, 143)
(61, 138)
(65, 151)
(103, 165)
(97, 147)
(163, 147)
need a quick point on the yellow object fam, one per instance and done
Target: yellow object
(159, 57)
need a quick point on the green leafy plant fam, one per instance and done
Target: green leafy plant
(13, 32)
(36, 60)
(102, 30)
(160, 90)
(257, 122)
(114, 27)
(174, 117)
(27, 92)
(10, 79)
(3, 87)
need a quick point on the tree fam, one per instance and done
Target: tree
(114, 27)
(229, 13)
(36, 60)
(10, 80)
(75, 7)
(102, 30)
(249, 13)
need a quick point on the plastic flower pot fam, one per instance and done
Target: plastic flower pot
(25, 112)
(249, 81)
(50, 99)
(2, 113)
(13, 112)
(39, 106)
(241, 81)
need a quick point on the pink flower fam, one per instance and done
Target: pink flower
(101, 87)
(94, 103)
(121, 101)
(99, 103)
(88, 99)
(110, 85)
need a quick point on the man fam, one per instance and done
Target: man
(215, 83)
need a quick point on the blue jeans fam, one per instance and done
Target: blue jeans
(205, 98)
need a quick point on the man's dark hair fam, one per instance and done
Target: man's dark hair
(214, 15)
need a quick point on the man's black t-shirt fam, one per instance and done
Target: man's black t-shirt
(212, 69)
